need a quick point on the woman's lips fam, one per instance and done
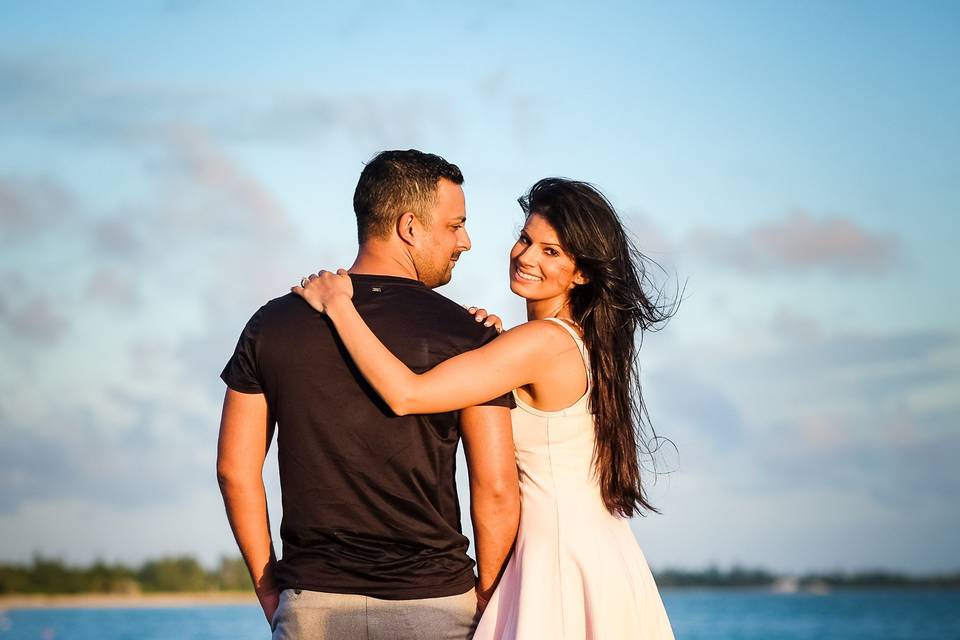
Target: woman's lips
(520, 276)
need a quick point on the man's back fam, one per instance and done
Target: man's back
(369, 498)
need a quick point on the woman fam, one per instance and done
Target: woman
(576, 570)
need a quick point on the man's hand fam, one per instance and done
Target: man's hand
(483, 597)
(269, 601)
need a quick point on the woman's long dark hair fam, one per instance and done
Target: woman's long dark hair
(610, 308)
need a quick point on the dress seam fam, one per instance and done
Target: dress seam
(556, 515)
(366, 616)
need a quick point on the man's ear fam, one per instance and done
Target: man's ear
(408, 227)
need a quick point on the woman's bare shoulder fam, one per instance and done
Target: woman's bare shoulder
(541, 335)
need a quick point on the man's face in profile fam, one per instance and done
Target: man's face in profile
(446, 236)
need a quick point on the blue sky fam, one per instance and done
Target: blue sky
(165, 169)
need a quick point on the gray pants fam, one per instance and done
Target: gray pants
(313, 615)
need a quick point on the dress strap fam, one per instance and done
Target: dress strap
(566, 325)
(580, 345)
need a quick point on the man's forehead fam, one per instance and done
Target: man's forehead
(451, 203)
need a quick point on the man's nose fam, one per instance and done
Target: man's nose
(463, 242)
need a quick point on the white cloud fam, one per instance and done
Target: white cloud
(792, 447)
(799, 243)
(29, 206)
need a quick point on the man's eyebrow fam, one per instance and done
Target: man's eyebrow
(460, 219)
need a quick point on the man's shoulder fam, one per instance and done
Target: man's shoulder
(279, 314)
(284, 302)
(283, 307)
(456, 320)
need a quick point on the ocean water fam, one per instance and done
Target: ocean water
(695, 615)
(844, 615)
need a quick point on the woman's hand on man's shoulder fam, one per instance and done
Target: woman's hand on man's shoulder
(324, 288)
(488, 319)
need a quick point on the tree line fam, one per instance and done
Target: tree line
(759, 578)
(170, 574)
(185, 574)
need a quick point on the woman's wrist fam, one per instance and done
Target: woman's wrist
(337, 305)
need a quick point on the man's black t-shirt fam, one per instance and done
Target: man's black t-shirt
(369, 498)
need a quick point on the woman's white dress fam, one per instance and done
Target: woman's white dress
(576, 570)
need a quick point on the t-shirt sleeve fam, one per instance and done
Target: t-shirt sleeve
(242, 372)
(506, 400)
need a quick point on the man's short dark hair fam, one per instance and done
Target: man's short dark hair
(395, 182)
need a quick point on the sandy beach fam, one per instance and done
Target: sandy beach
(120, 601)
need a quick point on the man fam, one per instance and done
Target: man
(372, 546)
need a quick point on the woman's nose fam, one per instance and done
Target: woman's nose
(526, 257)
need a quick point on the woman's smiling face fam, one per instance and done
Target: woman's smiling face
(540, 268)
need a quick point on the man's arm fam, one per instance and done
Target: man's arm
(494, 490)
(245, 433)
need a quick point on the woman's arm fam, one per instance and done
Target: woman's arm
(511, 360)
(470, 378)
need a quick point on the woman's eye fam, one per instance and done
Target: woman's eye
(523, 239)
(551, 252)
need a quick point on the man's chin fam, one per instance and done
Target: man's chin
(444, 279)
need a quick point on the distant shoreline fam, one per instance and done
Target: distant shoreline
(11, 602)
(121, 601)
(181, 581)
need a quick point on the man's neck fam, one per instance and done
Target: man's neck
(379, 259)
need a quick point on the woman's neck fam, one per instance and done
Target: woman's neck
(558, 307)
